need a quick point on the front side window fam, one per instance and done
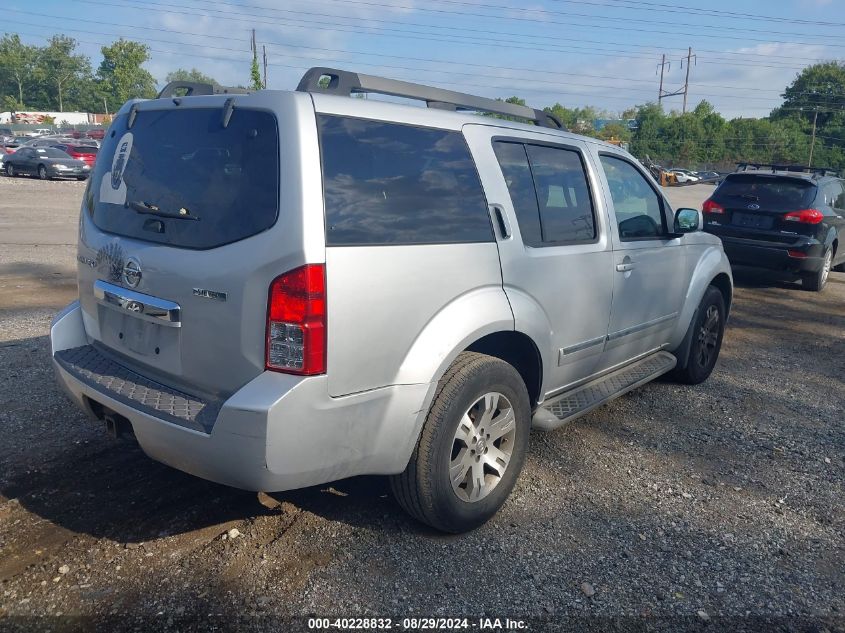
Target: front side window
(638, 207)
(389, 183)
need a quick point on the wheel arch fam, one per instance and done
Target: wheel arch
(723, 284)
(519, 351)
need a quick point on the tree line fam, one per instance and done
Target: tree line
(704, 138)
(56, 77)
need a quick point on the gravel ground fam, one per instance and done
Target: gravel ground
(717, 507)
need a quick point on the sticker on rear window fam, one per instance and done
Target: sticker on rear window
(112, 187)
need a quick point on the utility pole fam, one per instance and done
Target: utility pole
(264, 54)
(252, 43)
(662, 94)
(686, 81)
(813, 142)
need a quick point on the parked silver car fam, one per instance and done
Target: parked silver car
(282, 289)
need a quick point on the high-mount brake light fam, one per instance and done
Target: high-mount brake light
(296, 322)
(805, 216)
(712, 207)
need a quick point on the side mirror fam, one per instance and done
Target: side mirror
(688, 221)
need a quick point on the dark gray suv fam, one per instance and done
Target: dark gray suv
(787, 218)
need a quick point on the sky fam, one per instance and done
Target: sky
(604, 53)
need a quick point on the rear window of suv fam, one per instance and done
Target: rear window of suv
(770, 192)
(184, 162)
(391, 183)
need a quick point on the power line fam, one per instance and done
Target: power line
(486, 32)
(522, 18)
(641, 5)
(414, 69)
(380, 54)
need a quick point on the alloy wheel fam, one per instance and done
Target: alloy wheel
(482, 447)
(708, 337)
(828, 260)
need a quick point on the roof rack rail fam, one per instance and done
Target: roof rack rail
(194, 89)
(817, 172)
(346, 83)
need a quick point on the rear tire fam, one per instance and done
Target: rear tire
(10, 171)
(42, 172)
(816, 281)
(471, 448)
(707, 333)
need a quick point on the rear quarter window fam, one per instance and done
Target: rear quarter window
(389, 183)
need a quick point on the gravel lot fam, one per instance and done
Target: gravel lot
(716, 507)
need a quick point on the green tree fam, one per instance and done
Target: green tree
(820, 87)
(193, 75)
(60, 67)
(121, 76)
(255, 73)
(17, 62)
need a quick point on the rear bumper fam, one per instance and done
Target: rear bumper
(278, 432)
(774, 256)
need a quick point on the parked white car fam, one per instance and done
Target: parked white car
(685, 175)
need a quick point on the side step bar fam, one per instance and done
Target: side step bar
(573, 404)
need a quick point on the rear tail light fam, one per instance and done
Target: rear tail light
(712, 207)
(296, 322)
(805, 216)
(797, 254)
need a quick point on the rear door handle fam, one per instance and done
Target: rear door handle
(500, 220)
(624, 268)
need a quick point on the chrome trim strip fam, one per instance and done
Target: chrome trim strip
(579, 346)
(642, 326)
(141, 306)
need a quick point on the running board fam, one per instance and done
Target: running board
(572, 404)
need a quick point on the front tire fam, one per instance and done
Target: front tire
(42, 172)
(471, 448)
(707, 333)
(816, 281)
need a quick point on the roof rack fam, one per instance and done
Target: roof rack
(345, 83)
(817, 172)
(194, 89)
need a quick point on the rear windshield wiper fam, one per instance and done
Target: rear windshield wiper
(151, 209)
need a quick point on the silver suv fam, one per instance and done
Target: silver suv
(282, 289)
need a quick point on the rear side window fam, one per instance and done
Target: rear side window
(566, 209)
(833, 194)
(549, 191)
(184, 162)
(770, 192)
(388, 183)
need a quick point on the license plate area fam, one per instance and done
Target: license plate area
(752, 220)
(150, 343)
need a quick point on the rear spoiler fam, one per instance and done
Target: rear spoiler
(194, 89)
